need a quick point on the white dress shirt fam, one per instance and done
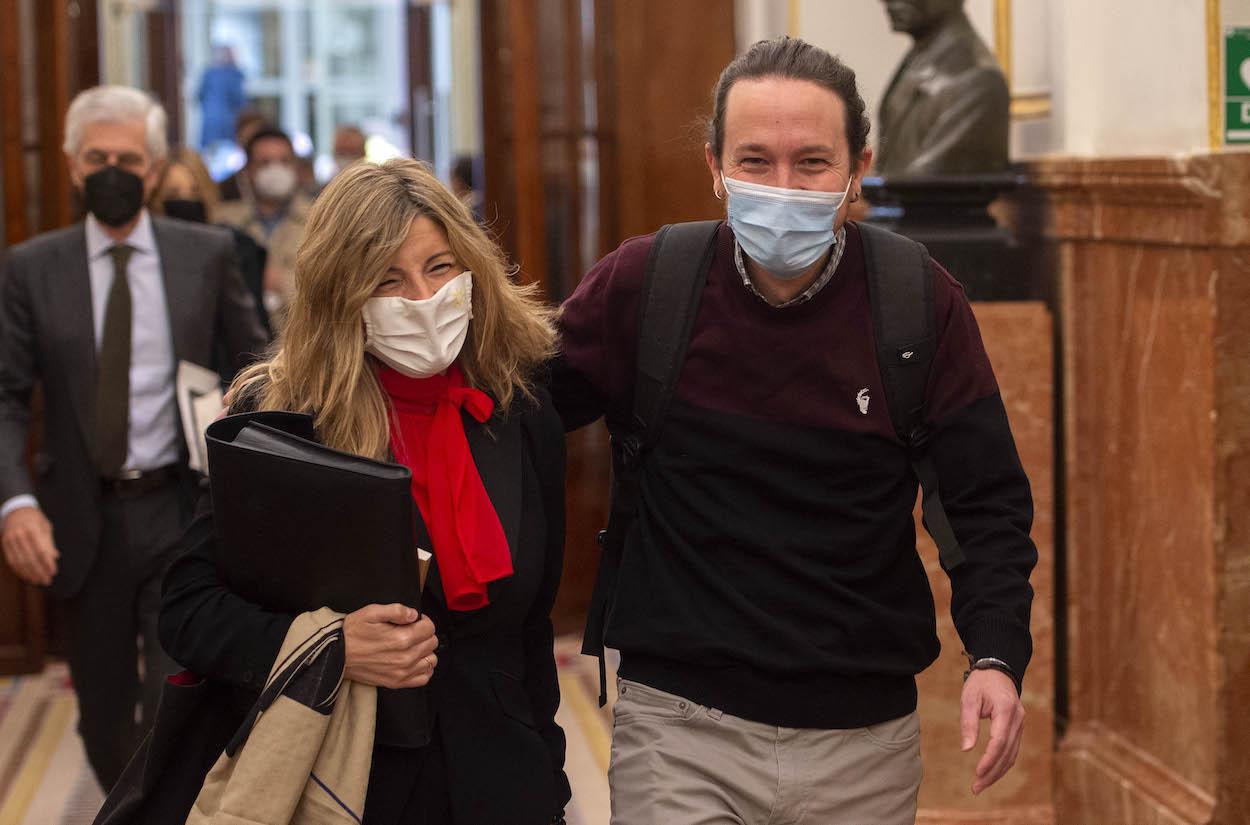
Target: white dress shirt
(153, 424)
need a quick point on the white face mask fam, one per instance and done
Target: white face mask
(420, 338)
(275, 181)
(783, 230)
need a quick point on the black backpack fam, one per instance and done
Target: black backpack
(900, 291)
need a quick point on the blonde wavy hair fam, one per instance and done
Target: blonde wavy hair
(355, 228)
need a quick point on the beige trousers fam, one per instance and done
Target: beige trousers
(675, 762)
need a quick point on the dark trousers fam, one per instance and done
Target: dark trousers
(408, 786)
(116, 608)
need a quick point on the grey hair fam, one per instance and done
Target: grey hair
(116, 104)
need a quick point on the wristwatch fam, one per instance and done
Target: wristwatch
(989, 663)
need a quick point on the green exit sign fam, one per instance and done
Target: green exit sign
(1237, 85)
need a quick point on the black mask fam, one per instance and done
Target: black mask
(186, 210)
(113, 195)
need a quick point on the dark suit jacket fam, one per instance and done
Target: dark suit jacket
(230, 189)
(47, 336)
(946, 110)
(494, 693)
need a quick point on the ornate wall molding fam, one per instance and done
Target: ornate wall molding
(1191, 200)
(1122, 763)
(1037, 815)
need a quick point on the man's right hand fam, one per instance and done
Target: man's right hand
(388, 646)
(28, 545)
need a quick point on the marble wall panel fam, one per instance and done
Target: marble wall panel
(1232, 528)
(1018, 338)
(1154, 302)
(1139, 398)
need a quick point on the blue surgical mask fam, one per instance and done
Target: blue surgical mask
(783, 230)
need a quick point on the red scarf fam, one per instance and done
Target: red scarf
(427, 437)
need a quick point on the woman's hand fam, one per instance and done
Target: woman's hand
(386, 646)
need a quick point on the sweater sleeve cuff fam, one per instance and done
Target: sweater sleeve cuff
(1005, 640)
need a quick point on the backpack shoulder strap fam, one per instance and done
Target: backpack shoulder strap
(900, 292)
(672, 287)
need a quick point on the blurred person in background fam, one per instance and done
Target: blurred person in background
(99, 314)
(186, 191)
(349, 145)
(275, 213)
(249, 122)
(306, 173)
(462, 177)
(221, 97)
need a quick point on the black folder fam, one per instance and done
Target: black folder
(302, 526)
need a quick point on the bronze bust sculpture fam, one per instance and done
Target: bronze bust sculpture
(946, 110)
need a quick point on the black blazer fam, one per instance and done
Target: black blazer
(494, 693)
(47, 336)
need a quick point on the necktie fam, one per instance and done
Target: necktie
(112, 392)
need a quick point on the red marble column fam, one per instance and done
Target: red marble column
(1155, 297)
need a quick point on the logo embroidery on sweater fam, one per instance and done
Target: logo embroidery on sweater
(862, 400)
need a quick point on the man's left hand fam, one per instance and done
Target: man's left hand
(991, 694)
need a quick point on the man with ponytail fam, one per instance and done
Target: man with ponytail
(765, 592)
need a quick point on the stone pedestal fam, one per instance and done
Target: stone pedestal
(950, 215)
(1155, 321)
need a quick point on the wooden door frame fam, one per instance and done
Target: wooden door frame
(65, 50)
(54, 38)
(420, 75)
(12, 151)
(510, 118)
(165, 64)
(27, 656)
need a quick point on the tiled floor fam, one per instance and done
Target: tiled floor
(44, 778)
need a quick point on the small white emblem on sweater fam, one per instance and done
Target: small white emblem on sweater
(862, 399)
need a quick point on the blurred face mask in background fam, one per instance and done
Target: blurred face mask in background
(113, 195)
(275, 181)
(186, 210)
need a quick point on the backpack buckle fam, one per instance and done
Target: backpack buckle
(630, 450)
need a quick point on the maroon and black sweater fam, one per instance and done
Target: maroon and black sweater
(772, 570)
